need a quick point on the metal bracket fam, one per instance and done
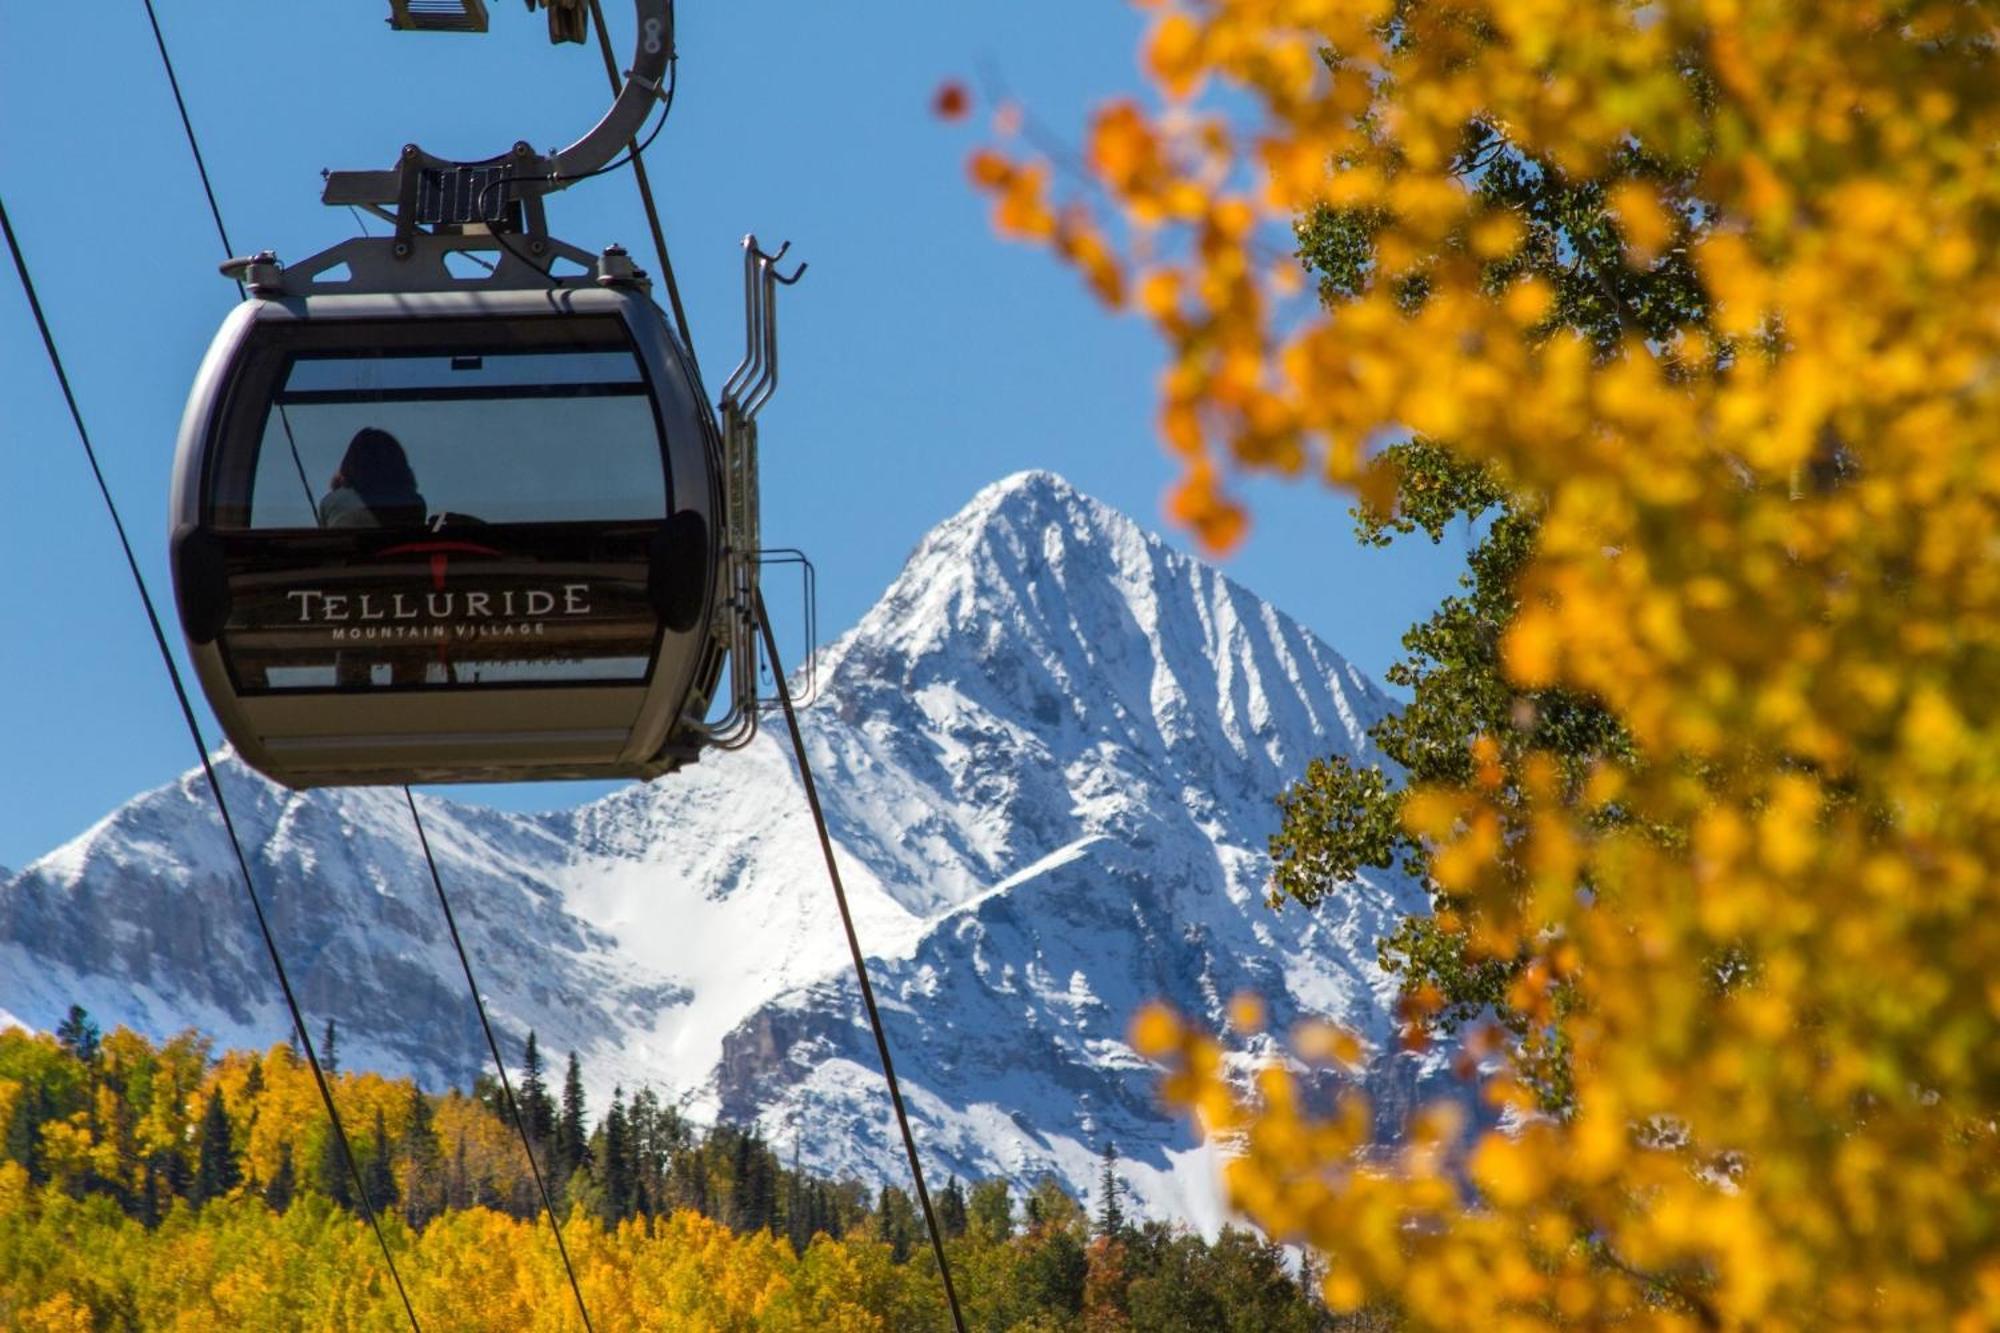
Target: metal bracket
(384, 263)
(748, 388)
(522, 174)
(808, 659)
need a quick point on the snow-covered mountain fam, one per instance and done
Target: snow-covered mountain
(1048, 755)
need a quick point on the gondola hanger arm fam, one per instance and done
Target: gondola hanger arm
(422, 184)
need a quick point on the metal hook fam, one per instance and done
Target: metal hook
(755, 378)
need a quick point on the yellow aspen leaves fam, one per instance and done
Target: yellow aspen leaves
(1172, 54)
(1761, 944)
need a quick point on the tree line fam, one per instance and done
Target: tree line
(124, 1160)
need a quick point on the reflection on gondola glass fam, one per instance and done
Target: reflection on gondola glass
(522, 437)
(478, 509)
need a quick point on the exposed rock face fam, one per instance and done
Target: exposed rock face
(1048, 754)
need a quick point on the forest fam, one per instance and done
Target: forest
(162, 1186)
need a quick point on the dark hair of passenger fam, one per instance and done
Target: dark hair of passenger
(376, 467)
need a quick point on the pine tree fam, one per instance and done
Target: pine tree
(655, 1131)
(458, 1189)
(951, 1210)
(378, 1177)
(216, 1171)
(572, 1147)
(691, 1181)
(329, 1049)
(174, 1176)
(617, 1160)
(423, 1161)
(1110, 1217)
(149, 1196)
(538, 1109)
(334, 1177)
(24, 1127)
(798, 1222)
(896, 1222)
(78, 1035)
(284, 1181)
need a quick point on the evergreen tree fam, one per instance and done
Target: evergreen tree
(798, 1221)
(335, 1180)
(655, 1131)
(378, 1172)
(215, 1170)
(1053, 1270)
(458, 1186)
(121, 1136)
(284, 1181)
(174, 1176)
(753, 1200)
(538, 1109)
(329, 1049)
(617, 1159)
(951, 1210)
(896, 1222)
(737, 1145)
(572, 1146)
(378, 1177)
(32, 1108)
(78, 1035)
(764, 1182)
(423, 1161)
(690, 1170)
(149, 1196)
(1110, 1217)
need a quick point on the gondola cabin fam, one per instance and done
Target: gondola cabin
(454, 530)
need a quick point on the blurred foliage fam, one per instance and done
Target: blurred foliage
(1695, 299)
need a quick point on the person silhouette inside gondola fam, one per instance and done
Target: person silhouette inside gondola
(374, 487)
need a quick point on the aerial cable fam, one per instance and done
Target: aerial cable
(493, 1045)
(860, 967)
(215, 211)
(222, 231)
(187, 124)
(639, 169)
(207, 766)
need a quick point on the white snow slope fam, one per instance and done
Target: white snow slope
(1049, 756)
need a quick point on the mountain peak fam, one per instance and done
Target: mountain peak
(1036, 597)
(1034, 501)
(1047, 757)
(1036, 632)
(1033, 488)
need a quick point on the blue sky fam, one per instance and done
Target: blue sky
(922, 356)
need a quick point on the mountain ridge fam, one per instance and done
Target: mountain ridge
(1048, 755)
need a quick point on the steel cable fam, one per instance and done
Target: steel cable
(638, 161)
(207, 766)
(499, 1063)
(860, 967)
(222, 232)
(215, 211)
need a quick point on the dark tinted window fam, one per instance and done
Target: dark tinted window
(500, 422)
